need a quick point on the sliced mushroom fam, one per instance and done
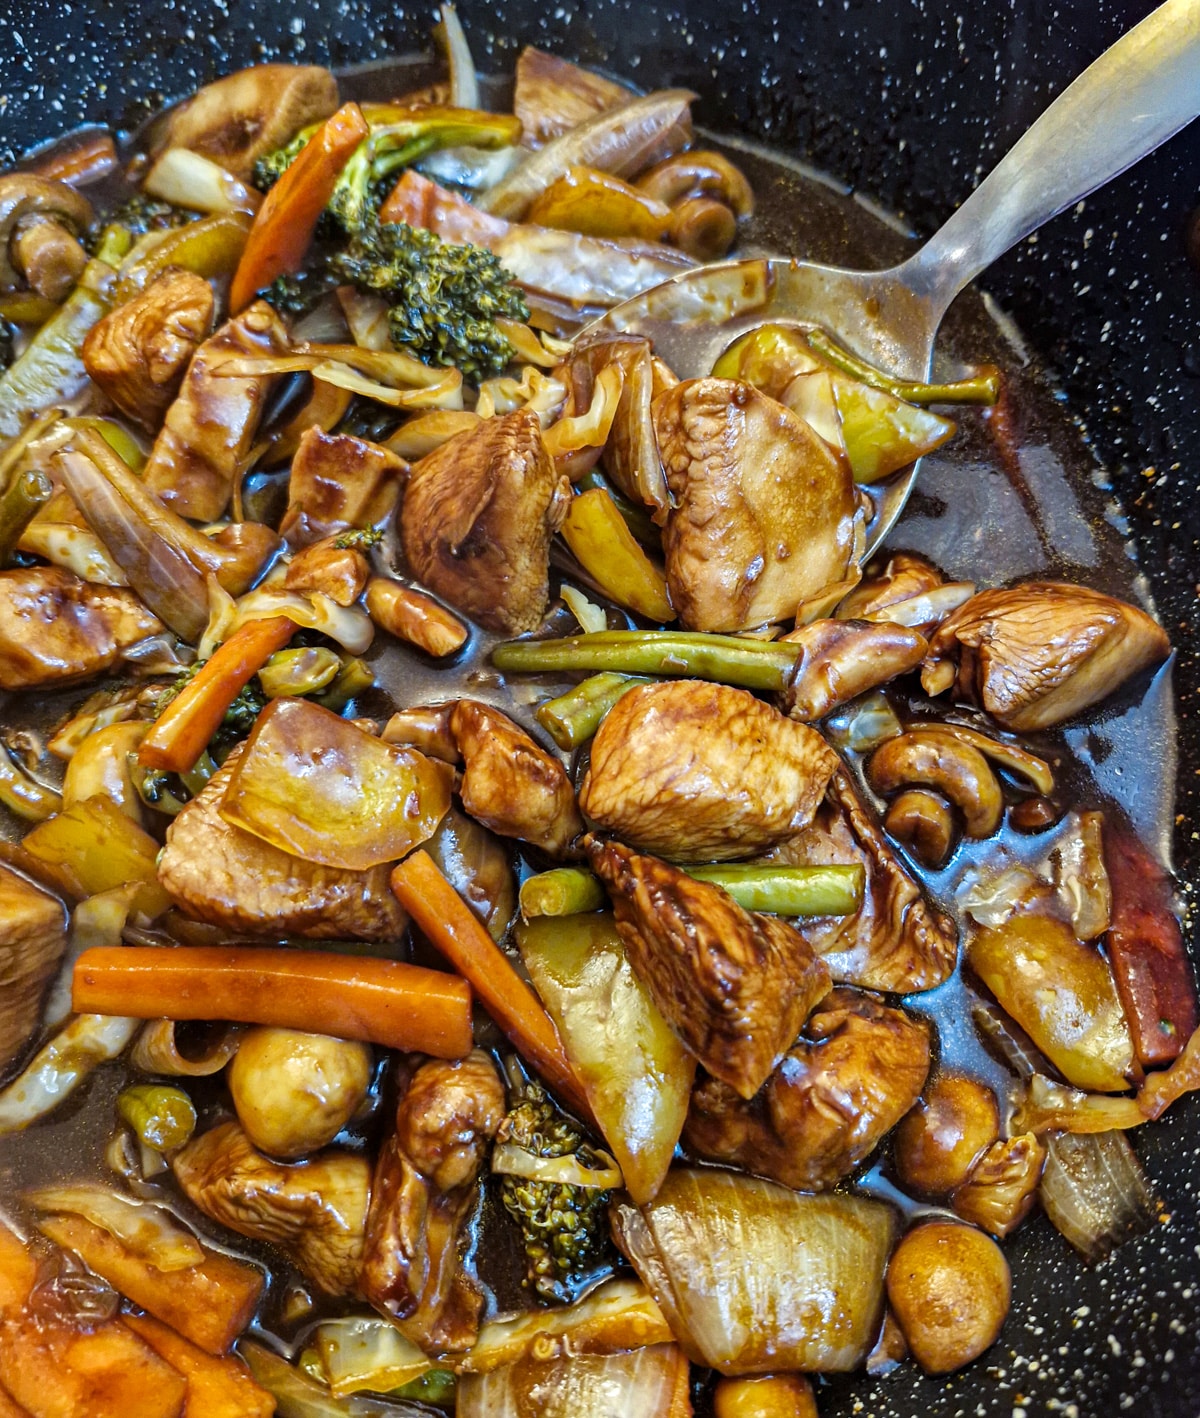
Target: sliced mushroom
(702, 772)
(699, 173)
(137, 354)
(510, 784)
(855, 1072)
(704, 228)
(845, 658)
(246, 115)
(735, 986)
(25, 199)
(315, 1212)
(1037, 654)
(924, 823)
(765, 514)
(478, 517)
(935, 759)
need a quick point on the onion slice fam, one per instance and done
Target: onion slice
(753, 1277)
(646, 1383)
(157, 1051)
(149, 1232)
(61, 1065)
(1095, 1193)
(299, 1396)
(189, 179)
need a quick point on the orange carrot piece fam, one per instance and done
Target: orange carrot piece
(457, 932)
(216, 1388)
(286, 220)
(347, 996)
(18, 1271)
(10, 1408)
(181, 732)
(211, 1303)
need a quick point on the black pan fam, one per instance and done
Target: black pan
(908, 102)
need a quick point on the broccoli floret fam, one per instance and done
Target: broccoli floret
(7, 349)
(444, 299)
(359, 538)
(138, 214)
(271, 166)
(296, 295)
(563, 1227)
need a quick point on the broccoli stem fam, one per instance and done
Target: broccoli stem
(574, 717)
(752, 664)
(981, 388)
(774, 890)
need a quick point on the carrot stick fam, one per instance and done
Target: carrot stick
(216, 1388)
(182, 731)
(454, 929)
(346, 996)
(286, 220)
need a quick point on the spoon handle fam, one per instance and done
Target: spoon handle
(1134, 97)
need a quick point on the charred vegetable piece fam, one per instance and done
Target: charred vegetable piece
(635, 1072)
(563, 1226)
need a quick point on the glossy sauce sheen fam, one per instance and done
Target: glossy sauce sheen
(1016, 494)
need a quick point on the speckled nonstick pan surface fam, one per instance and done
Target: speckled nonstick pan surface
(908, 103)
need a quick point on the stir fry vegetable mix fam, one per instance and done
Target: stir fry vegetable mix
(719, 941)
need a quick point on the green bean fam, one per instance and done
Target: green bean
(565, 891)
(774, 890)
(300, 671)
(753, 664)
(23, 795)
(574, 717)
(981, 388)
(20, 503)
(161, 1116)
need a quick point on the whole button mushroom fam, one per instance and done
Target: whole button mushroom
(294, 1092)
(940, 1140)
(949, 1288)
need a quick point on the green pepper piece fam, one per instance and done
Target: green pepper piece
(210, 247)
(883, 434)
(769, 358)
(304, 670)
(574, 717)
(434, 1386)
(162, 1117)
(753, 664)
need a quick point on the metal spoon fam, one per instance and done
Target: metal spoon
(1133, 98)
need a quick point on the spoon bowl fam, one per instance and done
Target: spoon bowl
(1140, 92)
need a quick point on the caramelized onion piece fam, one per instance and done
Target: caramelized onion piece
(1095, 1193)
(157, 1051)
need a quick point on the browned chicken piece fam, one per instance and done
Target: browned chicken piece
(702, 772)
(1037, 654)
(339, 482)
(477, 866)
(858, 1068)
(246, 115)
(222, 874)
(896, 940)
(204, 445)
(425, 1186)
(844, 658)
(1003, 1185)
(55, 628)
(553, 95)
(631, 454)
(509, 783)
(735, 986)
(315, 1211)
(341, 573)
(764, 515)
(138, 353)
(478, 517)
(33, 936)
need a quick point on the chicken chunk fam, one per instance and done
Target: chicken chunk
(510, 784)
(225, 875)
(896, 940)
(859, 1067)
(1037, 654)
(204, 444)
(55, 628)
(478, 517)
(764, 515)
(338, 482)
(735, 986)
(425, 1186)
(137, 354)
(33, 936)
(315, 1212)
(246, 115)
(552, 95)
(701, 772)
(842, 659)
